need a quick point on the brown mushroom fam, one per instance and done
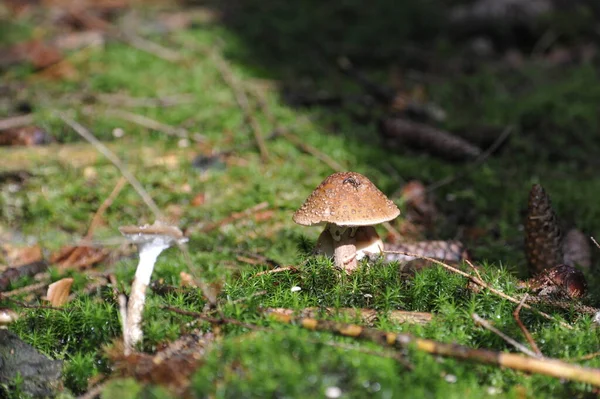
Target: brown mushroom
(345, 202)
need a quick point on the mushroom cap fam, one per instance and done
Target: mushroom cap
(150, 232)
(346, 199)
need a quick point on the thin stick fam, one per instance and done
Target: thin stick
(278, 270)
(229, 219)
(589, 356)
(149, 123)
(516, 315)
(151, 47)
(488, 326)
(307, 148)
(482, 284)
(595, 242)
(399, 357)
(126, 101)
(104, 206)
(86, 134)
(478, 161)
(212, 320)
(474, 269)
(281, 131)
(242, 101)
(26, 289)
(16, 121)
(550, 367)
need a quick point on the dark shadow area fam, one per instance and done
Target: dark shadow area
(486, 72)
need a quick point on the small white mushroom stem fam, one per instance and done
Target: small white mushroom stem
(149, 252)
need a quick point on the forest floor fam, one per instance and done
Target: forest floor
(181, 94)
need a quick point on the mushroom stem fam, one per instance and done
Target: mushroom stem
(344, 252)
(149, 252)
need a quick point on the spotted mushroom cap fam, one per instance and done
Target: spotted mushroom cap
(346, 199)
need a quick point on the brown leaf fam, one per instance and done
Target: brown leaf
(63, 70)
(71, 257)
(58, 292)
(400, 132)
(24, 136)
(543, 247)
(187, 280)
(576, 249)
(36, 52)
(198, 199)
(16, 256)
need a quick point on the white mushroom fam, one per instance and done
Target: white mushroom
(151, 241)
(345, 202)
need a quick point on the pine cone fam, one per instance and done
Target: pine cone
(437, 142)
(543, 239)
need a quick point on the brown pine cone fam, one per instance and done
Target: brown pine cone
(399, 132)
(543, 239)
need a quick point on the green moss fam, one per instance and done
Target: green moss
(554, 115)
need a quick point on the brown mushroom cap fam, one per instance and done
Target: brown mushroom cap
(346, 199)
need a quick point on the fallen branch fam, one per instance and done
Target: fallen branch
(16, 121)
(483, 284)
(550, 367)
(367, 316)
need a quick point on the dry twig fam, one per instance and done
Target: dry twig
(86, 134)
(229, 219)
(524, 329)
(281, 131)
(278, 270)
(488, 326)
(478, 161)
(242, 100)
(483, 284)
(152, 124)
(550, 367)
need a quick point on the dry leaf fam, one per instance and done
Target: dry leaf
(58, 292)
(16, 256)
(198, 200)
(187, 280)
(78, 257)
(25, 136)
